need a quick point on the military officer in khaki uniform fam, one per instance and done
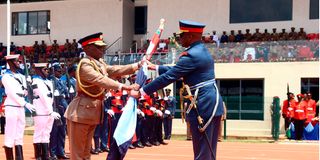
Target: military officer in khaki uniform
(94, 78)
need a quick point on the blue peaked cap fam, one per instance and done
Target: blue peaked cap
(191, 26)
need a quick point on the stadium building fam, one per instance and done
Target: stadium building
(247, 85)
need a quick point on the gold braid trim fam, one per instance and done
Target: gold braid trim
(82, 86)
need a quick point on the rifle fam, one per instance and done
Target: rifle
(30, 87)
(54, 105)
(181, 103)
(67, 79)
(288, 95)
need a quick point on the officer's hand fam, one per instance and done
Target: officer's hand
(142, 114)
(135, 86)
(153, 109)
(30, 107)
(159, 113)
(126, 87)
(167, 112)
(135, 94)
(110, 112)
(150, 65)
(55, 115)
(138, 111)
(29, 80)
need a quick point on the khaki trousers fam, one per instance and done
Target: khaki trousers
(80, 138)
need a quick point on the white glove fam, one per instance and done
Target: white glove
(110, 112)
(153, 109)
(139, 111)
(159, 113)
(165, 98)
(56, 93)
(167, 112)
(30, 107)
(55, 115)
(29, 79)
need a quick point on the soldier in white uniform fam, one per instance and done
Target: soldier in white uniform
(15, 86)
(45, 116)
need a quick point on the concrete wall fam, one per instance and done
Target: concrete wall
(276, 76)
(128, 24)
(215, 14)
(71, 19)
(115, 18)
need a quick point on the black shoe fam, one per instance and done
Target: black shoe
(163, 143)
(18, 152)
(53, 157)
(139, 145)
(8, 152)
(98, 150)
(106, 149)
(147, 144)
(62, 157)
(93, 151)
(132, 147)
(156, 143)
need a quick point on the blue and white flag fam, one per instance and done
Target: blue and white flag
(127, 123)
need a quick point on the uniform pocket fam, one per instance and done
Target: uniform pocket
(89, 109)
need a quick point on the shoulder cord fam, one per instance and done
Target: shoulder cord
(82, 86)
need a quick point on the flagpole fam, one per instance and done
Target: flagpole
(8, 27)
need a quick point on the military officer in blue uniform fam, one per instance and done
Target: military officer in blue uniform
(170, 108)
(69, 81)
(196, 66)
(58, 133)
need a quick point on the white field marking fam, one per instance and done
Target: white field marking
(164, 155)
(282, 150)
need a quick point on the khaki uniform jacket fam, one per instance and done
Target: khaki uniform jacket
(84, 108)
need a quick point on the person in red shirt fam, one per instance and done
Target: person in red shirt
(287, 110)
(299, 116)
(311, 107)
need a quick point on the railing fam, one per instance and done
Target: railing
(128, 58)
(245, 52)
(278, 51)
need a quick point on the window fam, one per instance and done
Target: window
(28, 23)
(25, 1)
(243, 11)
(140, 22)
(243, 98)
(314, 9)
(310, 85)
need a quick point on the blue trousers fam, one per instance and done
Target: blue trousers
(201, 148)
(59, 129)
(101, 133)
(139, 128)
(114, 153)
(167, 126)
(57, 139)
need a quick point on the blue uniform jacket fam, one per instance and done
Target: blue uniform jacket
(195, 66)
(72, 82)
(172, 105)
